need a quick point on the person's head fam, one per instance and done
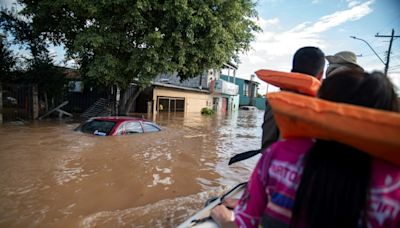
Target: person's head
(373, 90)
(334, 186)
(309, 60)
(342, 61)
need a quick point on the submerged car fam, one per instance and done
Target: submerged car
(249, 108)
(117, 125)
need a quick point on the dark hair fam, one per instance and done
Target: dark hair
(334, 187)
(308, 60)
(353, 87)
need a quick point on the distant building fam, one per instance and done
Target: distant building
(169, 94)
(248, 90)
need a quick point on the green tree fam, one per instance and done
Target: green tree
(38, 67)
(7, 63)
(117, 42)
(50, 79)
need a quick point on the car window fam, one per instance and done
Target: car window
(133, 127)
(98, 127)
(149, 127)
(121, 129)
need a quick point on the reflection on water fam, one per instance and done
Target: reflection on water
(52, 176)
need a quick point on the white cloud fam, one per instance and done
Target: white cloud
(340, 17)
(352, 3)
(315, 1)
(266, 24)
(274, 50)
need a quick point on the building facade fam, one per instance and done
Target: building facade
(247, 91)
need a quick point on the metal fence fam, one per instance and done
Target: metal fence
(16, 102)
(21, 102)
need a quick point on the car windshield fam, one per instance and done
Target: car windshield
(98, 127)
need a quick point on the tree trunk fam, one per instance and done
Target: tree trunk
(46, 102)
(121, 101)
(127, 102)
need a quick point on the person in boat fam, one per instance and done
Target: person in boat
(317, 183)
(306, 60)
(342, 61)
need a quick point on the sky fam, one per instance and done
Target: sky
(291, 24)
(328, 24)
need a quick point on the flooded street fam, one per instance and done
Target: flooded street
(52, 176)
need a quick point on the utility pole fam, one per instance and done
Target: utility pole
(390, 48)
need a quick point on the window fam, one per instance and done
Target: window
(246, 89)
(121, 129)
(75, 86)
(150, 128)
(98, 127)
(133, 128)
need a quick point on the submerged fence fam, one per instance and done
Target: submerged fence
(17, 102)
(23, 102)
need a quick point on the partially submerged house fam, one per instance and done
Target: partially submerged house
(169, 94)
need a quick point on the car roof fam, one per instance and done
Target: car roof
(119, 119)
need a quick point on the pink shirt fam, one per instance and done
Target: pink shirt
(274, 181)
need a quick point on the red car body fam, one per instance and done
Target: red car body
(117, 125)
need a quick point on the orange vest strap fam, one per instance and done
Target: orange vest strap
(373, 131)
(298, 82)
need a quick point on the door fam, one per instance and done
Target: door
(170, 104)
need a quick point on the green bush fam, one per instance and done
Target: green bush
(207, 111)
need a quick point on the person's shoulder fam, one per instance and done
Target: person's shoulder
(294, 144)
(290, 147)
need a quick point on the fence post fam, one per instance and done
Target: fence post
(35, 101)
(1, 104)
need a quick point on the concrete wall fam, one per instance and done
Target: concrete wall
(194, 101)
(259, 102)
(236, 102)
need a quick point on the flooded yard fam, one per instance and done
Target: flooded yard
(52, 176)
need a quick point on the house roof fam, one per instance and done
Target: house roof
(179, 87)
(230, 65)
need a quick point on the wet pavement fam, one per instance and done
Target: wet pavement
(52, 176)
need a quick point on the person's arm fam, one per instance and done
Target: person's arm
(254, 200)
(270, 130)
(252, 204)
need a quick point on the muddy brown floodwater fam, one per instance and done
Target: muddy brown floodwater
(51, 176)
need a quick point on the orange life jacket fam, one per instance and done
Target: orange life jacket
(301, 83)
(375, 132)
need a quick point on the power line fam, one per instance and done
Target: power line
(369, 47)
(369, 55)
(390, 48)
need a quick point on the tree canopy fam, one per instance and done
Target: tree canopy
(116, 41)
(7, 62)
(38, 67)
